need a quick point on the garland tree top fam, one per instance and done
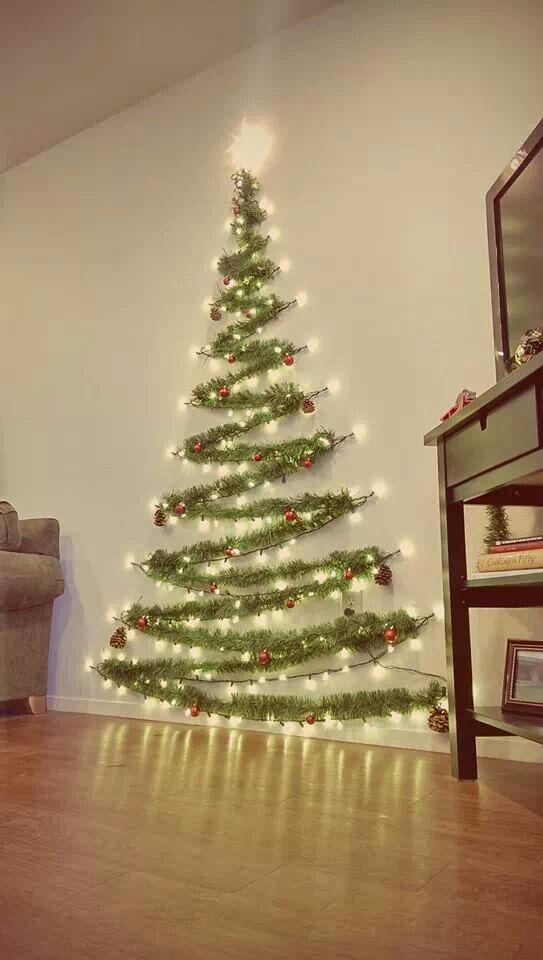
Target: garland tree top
(229, 578)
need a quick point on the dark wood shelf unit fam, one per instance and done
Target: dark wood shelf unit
(530, 728)
(520, 590)
(490, 452)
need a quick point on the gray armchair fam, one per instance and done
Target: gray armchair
(30, 579)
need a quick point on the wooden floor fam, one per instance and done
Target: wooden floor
(127, 840)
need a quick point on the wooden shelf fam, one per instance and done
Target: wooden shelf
(531, 728)
(510, 590)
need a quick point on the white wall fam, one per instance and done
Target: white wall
(391, 121)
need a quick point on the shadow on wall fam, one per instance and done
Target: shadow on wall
(69, 632)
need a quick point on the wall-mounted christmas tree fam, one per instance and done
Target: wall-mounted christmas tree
(241, 573)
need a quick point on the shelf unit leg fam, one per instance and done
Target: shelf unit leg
(457, 632)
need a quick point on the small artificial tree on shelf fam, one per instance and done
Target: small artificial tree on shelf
(229, 578)
(497, 525)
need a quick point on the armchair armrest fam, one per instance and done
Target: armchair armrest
(40, 536)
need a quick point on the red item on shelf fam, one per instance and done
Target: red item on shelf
(462, 400)
(517, 547)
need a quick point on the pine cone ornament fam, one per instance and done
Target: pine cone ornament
(161, 518)
(119, 638)
(383, 577)
(308, 406)
(530, 344)
(215, 313)
(438, 721)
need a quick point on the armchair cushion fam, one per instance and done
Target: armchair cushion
(40, 536)
(28, 580)
(10, 530)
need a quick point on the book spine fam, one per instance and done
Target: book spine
(516, 547)
(523, 560)
(521, 540)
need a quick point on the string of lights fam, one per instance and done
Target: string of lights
(268, 655)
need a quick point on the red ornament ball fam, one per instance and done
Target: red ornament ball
(291, 602)
(195, 710)
(213, 587)
(308, 463)
(197, 447)
(229, 552)
(180, 509)
(288, 359)
(236, 211)
(231, 358)
(257, 457)
(311, 718)
(290, 515)
(391, 636)
(226, 281)
(348, 575)
(248, 314)
(264, 657)
(224, 392)
(141, 623)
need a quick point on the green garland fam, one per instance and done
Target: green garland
(289, 453)
(168, 567)
(261, 473)
(362, 705)
(274, 534)
(360, 633)
(309, 503)
(257, 358)
(357, 632)
(225, 606)
(281, 402)
(254, 321)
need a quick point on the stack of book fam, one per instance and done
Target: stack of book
(506, 556)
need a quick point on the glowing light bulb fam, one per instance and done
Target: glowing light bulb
(251, 147)
(301, 298)
(439, 611)
(407, 548)
(360, 432)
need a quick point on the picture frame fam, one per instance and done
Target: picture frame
(515, 177)
(523, 677)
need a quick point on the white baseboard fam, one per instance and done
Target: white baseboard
(507, 748)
